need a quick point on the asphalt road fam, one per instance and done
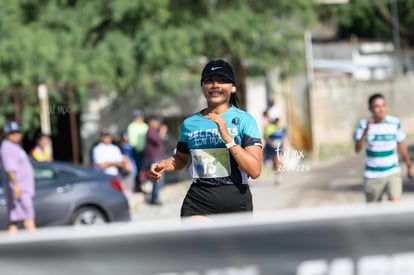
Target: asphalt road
(335, 182)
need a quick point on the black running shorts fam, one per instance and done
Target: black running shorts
(205, 199)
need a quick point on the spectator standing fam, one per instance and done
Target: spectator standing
(19, 187)
(137, 131)
(128, 151)
(154, 151)
(275, 137)
(42, 150)
(107, 156)
(382, 136)
(273, 111)
(265, 119)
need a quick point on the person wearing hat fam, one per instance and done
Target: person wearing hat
(137, 131)
(223, 146)
(20, 185)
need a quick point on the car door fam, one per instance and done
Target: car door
(4, 219)
(53, 201)
(3, 209)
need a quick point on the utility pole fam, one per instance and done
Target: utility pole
(44, 109)
(43, 96)
(309, 88)
(73, 125)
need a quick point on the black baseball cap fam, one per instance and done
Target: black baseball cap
(218, 67)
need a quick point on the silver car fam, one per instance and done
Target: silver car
(68, 194)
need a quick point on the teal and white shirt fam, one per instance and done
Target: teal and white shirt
(211, 161)
(381, 146)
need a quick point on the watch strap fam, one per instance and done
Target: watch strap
(230, 144)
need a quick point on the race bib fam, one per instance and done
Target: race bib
(210, 163)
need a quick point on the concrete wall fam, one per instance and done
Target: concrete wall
(339, 103)
(256, 98)
(327, 115)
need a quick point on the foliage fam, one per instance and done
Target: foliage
(372, 19)
(150, 47)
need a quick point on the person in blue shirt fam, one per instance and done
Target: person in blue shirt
(222, 145)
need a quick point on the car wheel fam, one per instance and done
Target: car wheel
(88, 216)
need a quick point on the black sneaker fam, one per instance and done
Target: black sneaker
(138, 189)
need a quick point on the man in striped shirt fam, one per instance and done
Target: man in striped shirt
(383, 137)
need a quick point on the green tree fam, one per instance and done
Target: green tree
(146, 47)
(372, 19)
